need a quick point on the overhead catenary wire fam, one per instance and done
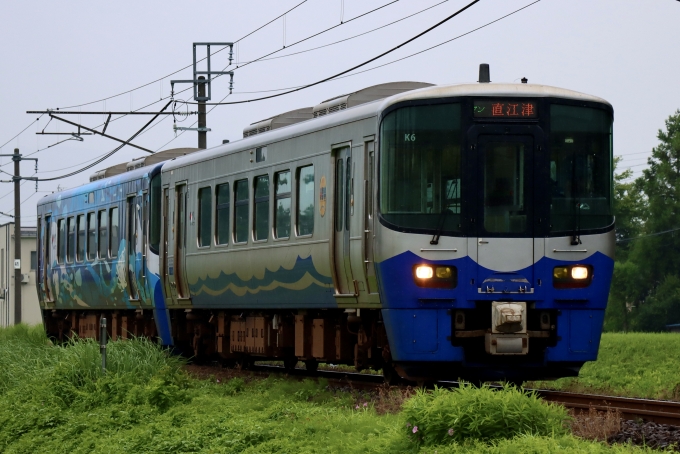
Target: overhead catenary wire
(183, 68)
(424, 32)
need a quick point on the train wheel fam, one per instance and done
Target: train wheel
(290, 363)
(312, 365)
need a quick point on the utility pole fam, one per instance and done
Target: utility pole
(17, 238)
(202, 131)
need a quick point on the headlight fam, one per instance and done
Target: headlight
(424, 272)
(435, 276)
(579, 272)
(572, 276)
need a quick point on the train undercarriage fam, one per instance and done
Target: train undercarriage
(351, 337)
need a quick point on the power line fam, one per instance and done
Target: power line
(181, 69)
(469, 5)
(22, 131)
(624, 240)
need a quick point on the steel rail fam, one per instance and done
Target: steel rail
(658, 411)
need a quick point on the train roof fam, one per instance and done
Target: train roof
(374, 108)
(101, 184)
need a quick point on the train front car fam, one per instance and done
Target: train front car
(98, 257)
(495, 246)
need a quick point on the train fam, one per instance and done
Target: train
(432, 231)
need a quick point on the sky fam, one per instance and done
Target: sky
(64, 54)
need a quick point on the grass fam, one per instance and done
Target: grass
(55, 399)
(641, 365)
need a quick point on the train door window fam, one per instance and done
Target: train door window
(70, 238)
(339, 193)
(114, 234)
(155, 214)
(204, 216)
(80, 240)
(282, 213)
(61, 240)
(241, 211)
(222, 217)
(103, 234)
(91, 236)
(305, 200)
(261, 211)
(47, 253)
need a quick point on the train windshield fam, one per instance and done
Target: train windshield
(580, 168)
(420, 168)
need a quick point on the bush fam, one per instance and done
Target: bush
(443, 416)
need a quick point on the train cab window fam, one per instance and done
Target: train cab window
(282, 212)
(80, 240)
(91, 236)
(204, 216)
(70, 238)
(222, 217)
(421, 168)
(580, 173)
(61, 240)
(114, 234)
(305, 200)
(241, 211)
(103, 234)
(261, 211)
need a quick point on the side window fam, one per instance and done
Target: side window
(34, 260)
(103, 234)
(80, 241)
(91, 236)
(282, 213)
(305, 199)
(70, 238)
(222, 217)
(204, 216)
(113, 236)
(61, 241)
(241, 211)
(261, 212)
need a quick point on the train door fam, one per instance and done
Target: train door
(505, 212)
(369, 218)
(131, 234)
(180, 240)
(46, 263)
(342, 213)
(167, 258)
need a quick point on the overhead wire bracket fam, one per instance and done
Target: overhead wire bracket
(208, 81)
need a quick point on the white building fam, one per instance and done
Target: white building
(30, 308)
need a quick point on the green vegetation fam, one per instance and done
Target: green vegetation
(630, 364)
(55, 399)
(645, 291)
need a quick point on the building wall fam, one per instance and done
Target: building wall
(30, 308)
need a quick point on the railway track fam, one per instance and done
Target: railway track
(658, 411)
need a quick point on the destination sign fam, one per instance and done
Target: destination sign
(505, 109)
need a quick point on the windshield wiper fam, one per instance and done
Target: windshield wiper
(442, 216)
(576, 237)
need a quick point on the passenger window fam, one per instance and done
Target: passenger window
(80, 241)
(61, 241)
(261, 212)
(103, 235)
(241, 211)
(70, 238)
(222, 218)
(204, 216)
(91, 236)
(113, 236)
(282, 213)
(305, 198)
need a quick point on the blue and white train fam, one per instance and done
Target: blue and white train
(436, 232)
